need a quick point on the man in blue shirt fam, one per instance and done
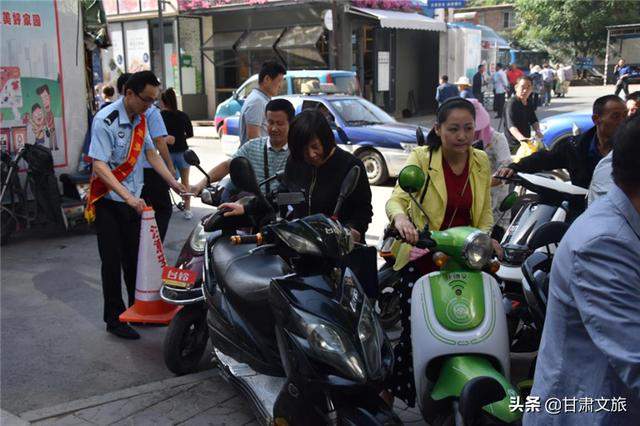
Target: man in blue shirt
(118, 212)
(622, 71)
(272, 148)
(590, 346)
(446, 90)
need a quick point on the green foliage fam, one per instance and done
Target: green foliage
(571, 27)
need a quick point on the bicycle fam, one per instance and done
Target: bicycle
(48, 207)
(16, 211)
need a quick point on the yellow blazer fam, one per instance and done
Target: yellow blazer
(435, 200)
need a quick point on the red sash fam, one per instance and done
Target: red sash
(98, 189)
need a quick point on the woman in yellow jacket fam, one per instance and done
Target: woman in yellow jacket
(457, 192)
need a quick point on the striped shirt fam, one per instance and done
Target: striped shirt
(253, 151)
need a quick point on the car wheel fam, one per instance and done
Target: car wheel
(375, 166)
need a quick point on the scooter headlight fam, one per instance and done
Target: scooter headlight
(297, 243)
(198, 240)
(477, 250)
(331, 346)
(371, 338)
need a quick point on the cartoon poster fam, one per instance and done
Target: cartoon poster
(31, 92)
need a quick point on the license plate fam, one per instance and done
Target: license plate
(176, 277)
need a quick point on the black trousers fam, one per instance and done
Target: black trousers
(499, 104)
(118, 229)
(155, 193)
(623, 85)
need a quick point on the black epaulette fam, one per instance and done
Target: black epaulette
(109, 119)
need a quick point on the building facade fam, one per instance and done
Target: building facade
(169, 45)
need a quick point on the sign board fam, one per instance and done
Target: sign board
(383, 71)
(136, 35)
(177, 277)
(446, 4)
(31, 90)
(117, 47)
(582, 63)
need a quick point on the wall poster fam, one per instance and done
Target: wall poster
(31, 90)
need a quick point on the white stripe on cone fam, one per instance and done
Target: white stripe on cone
(150, 259)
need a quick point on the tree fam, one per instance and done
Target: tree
(571, 27)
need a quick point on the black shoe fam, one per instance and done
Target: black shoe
(123, 330)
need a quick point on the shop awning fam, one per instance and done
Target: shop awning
(260, 40)
(401, 20)
(301, 42)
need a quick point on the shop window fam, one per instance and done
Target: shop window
(172, 77)
(190, 56)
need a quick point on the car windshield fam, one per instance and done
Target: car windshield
(360, 112)
(347, 84)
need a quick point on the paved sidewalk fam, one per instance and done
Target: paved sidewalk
(197, 399)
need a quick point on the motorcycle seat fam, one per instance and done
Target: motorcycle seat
(244, 276)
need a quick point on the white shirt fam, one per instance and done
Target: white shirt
(601, 181)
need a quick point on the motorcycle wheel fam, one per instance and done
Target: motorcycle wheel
(389, 302)
(186, 340)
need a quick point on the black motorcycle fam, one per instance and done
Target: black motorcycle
(290, 323)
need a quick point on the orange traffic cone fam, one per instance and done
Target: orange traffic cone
(148, 307)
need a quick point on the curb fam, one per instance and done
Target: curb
(82, 404)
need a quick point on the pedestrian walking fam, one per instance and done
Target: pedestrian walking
(253, 122)
(622, 71)
(548, 76)
(593, 311)
(478, 83)
(446, 90)
(178, 126)
(538, 86)
(513, 75)
(500, 88)
(120, 143)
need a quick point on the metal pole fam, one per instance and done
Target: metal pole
(334, 34)
(606, 57)
(161, 24)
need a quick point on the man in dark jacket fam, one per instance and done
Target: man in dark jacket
(478, 79)
(580, 155)
(446, 90)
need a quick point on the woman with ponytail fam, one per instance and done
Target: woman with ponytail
(457, 192)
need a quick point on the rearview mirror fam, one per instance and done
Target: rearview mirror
(508, 202)
(411, 179)
(243, 175)
(575, 130)
(420, 136)
(348, 186)
(191, 158)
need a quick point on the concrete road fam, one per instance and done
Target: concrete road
(54, 347)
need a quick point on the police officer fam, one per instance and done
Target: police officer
(119, 171)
